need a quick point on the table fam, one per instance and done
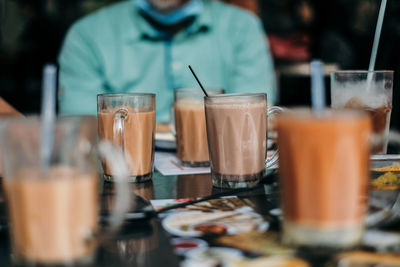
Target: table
(142, 243)
(145, 243)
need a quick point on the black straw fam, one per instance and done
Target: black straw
(195, 76)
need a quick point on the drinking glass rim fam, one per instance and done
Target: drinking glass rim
(127, 94)
(234, 95)
(362, 71)
(190, 89)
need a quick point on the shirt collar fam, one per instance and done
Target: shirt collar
(203, 22)
(140, 28)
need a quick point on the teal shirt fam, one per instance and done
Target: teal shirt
(115, 50)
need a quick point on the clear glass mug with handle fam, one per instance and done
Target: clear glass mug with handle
(129, 121)
(53, 205)
(237, 138)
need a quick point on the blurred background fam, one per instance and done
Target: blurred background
(340, 32)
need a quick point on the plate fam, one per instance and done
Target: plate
(184, 244)
(384, 200)
(198, 223)
(212, 256)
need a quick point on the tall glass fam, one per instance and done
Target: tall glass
(323, 167)
(237, 138)
(53, 205)
(128, 120)
(370, 91)
(190, 126)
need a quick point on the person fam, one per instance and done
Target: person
(141, 46)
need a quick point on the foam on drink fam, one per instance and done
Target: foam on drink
(375, 101)
(373, 98)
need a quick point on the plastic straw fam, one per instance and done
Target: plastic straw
(198, 81)
(377, 35)
(317, 86)
(48, 114)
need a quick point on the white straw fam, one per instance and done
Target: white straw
(48, 114)
(377, 35)
(317, 86)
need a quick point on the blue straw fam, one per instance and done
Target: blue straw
(375, 45)
(317, 86)
(48, 114)
(377, 36)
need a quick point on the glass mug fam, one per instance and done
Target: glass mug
(370, 91)
(237, 138)
(53, 205)
(129, 120)
(190, 126)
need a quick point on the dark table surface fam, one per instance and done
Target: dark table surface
(144, 242)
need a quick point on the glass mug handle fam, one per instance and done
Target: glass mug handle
(119, 128)
(123, 200)
(270, 161)
(171, 123)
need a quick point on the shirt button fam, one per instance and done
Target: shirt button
(176, 65)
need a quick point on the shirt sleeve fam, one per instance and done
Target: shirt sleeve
(80, 78)
(253, 64)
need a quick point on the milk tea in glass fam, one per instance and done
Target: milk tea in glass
(323, 167)
(190, 126)
(237, 138)
(53, 205)
(128, 120)
(370, 91)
